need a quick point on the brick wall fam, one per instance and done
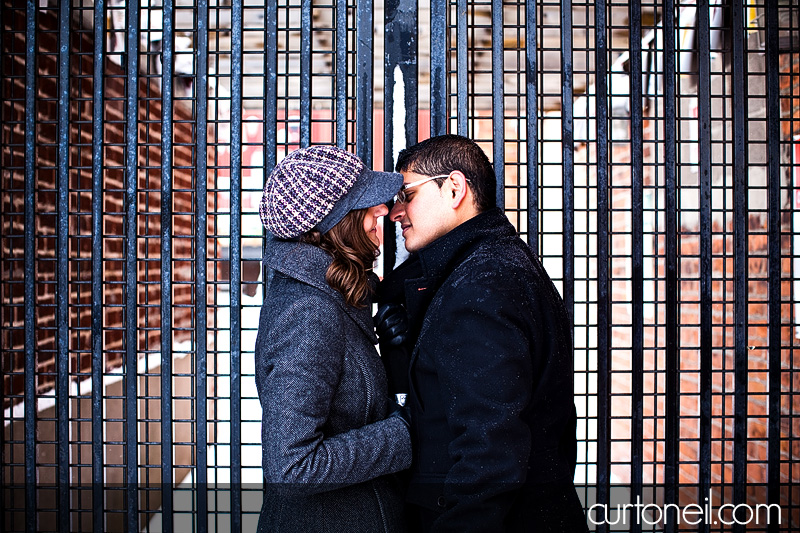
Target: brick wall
(80, 218)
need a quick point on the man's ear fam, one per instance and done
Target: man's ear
(458, 188)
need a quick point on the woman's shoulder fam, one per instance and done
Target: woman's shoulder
(285, 290)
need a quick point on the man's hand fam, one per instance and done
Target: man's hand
(391, 324)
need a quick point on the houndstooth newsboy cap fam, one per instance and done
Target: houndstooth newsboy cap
(317, 186)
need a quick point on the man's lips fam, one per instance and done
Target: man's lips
(404, 227)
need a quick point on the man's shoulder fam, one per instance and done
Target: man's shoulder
(503, 257)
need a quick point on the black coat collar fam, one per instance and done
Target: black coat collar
(441, 256)
(416, 280)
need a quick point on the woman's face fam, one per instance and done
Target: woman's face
(371, 222)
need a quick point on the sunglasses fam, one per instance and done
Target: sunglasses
(402, 195)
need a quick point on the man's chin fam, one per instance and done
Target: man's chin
(411, 248)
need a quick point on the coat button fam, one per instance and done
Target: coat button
(441, 502)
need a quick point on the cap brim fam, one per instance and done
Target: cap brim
(380, 188)
(371, 188)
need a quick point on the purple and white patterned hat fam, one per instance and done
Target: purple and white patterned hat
(317, 186)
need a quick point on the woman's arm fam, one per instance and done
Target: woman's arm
(303, 350)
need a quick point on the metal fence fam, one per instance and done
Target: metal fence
(648, 151)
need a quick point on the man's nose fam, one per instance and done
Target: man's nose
(397, 212)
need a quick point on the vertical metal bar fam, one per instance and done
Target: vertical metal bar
(774, 180)
(740, 222)
(409, 68)
(270, 108)
(3, 392)
(305, 73)
(637, 254)
(30, 271)
(364, 77)
(704, 175)
(271, 86)
(97, 266)
(131, 330)
(461, 64)
(603, 258)
(167, 66)
(401, 58)
(392, 50)
(568, 154)
(62, 284)
(532, 122)
(672, 403)
(341, 74)
(438, 67)
(235, 265)
(200, 302)
(498, 108)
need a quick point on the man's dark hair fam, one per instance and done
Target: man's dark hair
(445, 153)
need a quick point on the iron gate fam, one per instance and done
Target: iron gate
(662, 198)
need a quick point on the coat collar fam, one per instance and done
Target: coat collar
(308, 263)
(441, 256)
(419, 277)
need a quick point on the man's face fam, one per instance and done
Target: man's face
(427, 213)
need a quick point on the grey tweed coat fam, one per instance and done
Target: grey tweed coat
(328, 446)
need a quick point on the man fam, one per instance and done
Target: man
(490, 373)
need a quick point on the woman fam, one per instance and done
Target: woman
(329, 441)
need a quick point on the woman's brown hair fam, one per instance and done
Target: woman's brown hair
(353, 254)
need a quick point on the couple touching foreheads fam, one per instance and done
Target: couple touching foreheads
(471, 330)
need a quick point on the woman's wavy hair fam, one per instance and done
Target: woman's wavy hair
(353, 255)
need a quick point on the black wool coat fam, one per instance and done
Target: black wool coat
(328, 446)
(490, 383)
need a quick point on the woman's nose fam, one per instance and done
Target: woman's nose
(380, 210)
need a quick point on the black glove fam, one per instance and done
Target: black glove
(401, 412)
(391, 324)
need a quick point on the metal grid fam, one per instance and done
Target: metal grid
(663, 205)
